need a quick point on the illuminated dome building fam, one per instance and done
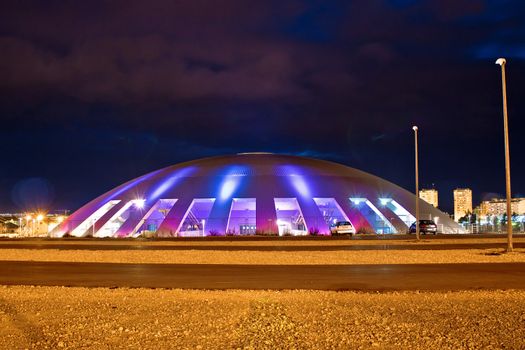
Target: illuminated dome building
(250, 193)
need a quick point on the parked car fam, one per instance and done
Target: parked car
(425, 226)
(342, 227)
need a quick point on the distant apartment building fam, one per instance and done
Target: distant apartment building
(498, 206)
(462, 202)
(430, 196)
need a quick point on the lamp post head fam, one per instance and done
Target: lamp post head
(501, 61)
(414, 128)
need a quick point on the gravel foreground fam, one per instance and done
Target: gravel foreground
(99, 318)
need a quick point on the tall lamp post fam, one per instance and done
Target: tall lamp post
(417, 181)
(502, 62)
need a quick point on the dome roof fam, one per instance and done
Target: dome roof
(250, 193)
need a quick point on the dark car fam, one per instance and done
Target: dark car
(425, 226)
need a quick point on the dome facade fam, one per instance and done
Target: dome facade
(255, 193)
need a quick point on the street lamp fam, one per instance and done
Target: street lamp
(28, 226)
(39, 219)
(94, 222)
(502, 62)
(417, 181)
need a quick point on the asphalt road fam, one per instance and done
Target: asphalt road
(320, 277)
(252, 238)
(285, 248)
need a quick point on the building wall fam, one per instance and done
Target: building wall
(499, 206)
(430, 196)
(462, 202)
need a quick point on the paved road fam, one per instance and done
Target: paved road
(284, 248)
(322, 277)
(250, 238)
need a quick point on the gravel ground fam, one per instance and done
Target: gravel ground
(81, 318)
(268, 258)
(101, 318)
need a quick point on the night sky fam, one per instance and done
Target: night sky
(95, 93)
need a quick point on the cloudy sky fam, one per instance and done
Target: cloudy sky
(94, 93)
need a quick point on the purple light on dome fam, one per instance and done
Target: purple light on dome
(228, 187)
(169, 182)
(132, 184)
(231, 180)
(295, 177)
(300, 185)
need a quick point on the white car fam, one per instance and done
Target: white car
(342, 227)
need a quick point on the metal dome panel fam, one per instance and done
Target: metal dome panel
(249, 193)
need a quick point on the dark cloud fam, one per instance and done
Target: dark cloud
(123, 87)
(456, 9)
